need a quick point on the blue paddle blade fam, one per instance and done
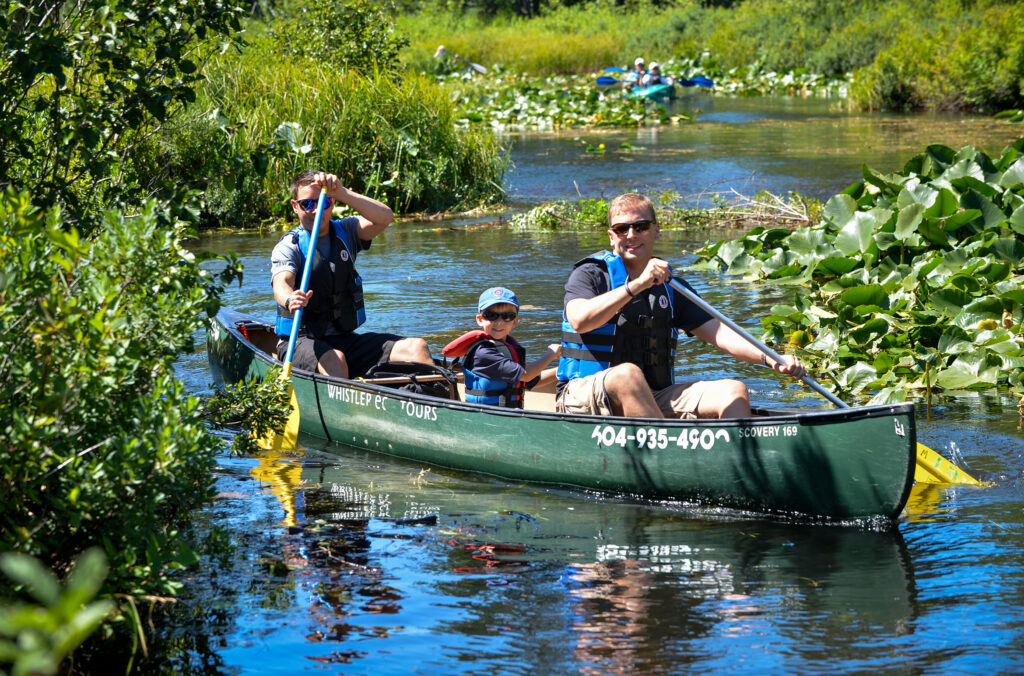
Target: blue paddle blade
(614, 69)
(699, 81)
(606, 81)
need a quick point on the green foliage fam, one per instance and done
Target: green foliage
(354, 33)
(916, 279)
(37, 637)
(272, 117)
(254, 407)
(589, 214)
(103, 445)
(85, 83)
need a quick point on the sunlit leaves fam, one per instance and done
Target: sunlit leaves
(916, 279)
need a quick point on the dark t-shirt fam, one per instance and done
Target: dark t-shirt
(488, 362)
(589, 281)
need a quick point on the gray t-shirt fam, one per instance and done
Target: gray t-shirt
(288, 256)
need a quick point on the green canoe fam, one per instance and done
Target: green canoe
(658, 91)
(843, 464)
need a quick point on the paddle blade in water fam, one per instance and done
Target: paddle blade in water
(287, 439)
(932, 468)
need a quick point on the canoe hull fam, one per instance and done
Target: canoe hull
(844, 464)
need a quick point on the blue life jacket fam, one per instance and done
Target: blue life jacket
(482, 390)
(640, 333)
(337, 288)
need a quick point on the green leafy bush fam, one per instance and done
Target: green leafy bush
(912, 281)
(102, 444)
(351, 33)
(85, 83)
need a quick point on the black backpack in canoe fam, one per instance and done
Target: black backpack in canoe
(412, 376)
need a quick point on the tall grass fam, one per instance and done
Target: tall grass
(392, 139)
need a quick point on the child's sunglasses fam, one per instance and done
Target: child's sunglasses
(621, 229)
(310, 204)
(491, 315)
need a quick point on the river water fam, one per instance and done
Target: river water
(335, 560)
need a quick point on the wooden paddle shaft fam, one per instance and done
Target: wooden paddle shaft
(702, 304)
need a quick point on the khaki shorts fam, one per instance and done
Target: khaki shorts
(587, 396)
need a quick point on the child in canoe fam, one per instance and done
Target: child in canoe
(493, 362)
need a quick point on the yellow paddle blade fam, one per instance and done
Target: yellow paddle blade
(288, 438)
(932, 468)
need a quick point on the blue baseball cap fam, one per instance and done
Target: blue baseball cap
(495, 295)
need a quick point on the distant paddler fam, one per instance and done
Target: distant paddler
(441, 51)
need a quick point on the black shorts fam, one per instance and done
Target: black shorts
(362, 350)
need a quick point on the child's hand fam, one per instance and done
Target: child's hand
(555, 349)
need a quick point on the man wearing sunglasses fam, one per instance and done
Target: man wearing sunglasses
(327, 342)
(620, 326)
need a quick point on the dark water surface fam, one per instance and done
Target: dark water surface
(341, 561)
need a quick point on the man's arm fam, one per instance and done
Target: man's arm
(374, 216)
(586, 314)
(725, 339)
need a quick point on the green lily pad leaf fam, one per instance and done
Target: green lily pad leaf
(973, 314)
(916, 193)
(949, 301)
(966, 283)
(837, 265)
(961, 219)
(856, 236)
(1017, 220)
(869, 331)
(729, 251)
(946, 204)
(870, 294)
(934, 233)
(888, 395)
(955, 340)
(1013, 176)
(991, 215)
(1008, 249)
(857, 377)
(839, 210)
(908, 220)
(958, 375)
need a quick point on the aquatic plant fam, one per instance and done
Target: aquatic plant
(912, 281)
(511, 100)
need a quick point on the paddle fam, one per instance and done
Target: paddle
(606, 81)
(699, 81)
(615, 69)
(286, 438)
(931, 467)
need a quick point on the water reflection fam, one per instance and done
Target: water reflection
(337, 560)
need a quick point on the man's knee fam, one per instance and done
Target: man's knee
(623, 377)
(411, 349)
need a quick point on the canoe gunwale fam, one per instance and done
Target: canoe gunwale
(769, 416)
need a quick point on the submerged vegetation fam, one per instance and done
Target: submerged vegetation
(912, 281)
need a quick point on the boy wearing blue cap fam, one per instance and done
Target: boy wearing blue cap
(494, 363)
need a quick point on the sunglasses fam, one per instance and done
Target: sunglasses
(491, 315)
(621, 229)
(310, 204)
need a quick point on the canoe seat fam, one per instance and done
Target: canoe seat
(538, 399)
